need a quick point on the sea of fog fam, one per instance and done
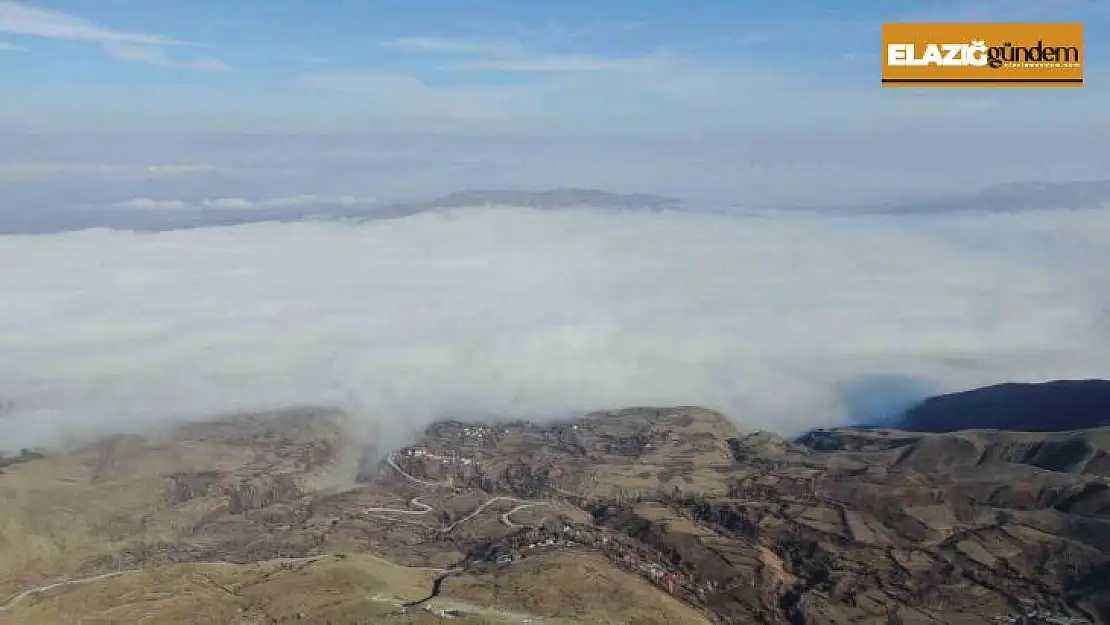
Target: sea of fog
(783, 321)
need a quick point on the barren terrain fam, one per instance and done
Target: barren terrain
(642, 515)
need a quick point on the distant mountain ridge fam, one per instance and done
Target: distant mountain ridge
(1011, 197)
(563, 197)
(1056, 406)
(144, 220)
(1019, 196)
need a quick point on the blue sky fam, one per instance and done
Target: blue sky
(112, 111)
(484, 65)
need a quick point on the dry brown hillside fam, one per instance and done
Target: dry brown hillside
(642, 515)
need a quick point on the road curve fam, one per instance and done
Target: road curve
(506, 517)
(415, 502)
(391, 459)
(480, 509)
(14, 601)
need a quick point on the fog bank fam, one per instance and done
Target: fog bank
(774, 319)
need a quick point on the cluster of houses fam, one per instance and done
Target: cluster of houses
(581, 440)
(419, 453)
(449, 614)
(675, 581)
(459, 430)
(656, 572)
(476, 431)
(623, 551)
(1040, 617)
(1034, 615)
(512, 549)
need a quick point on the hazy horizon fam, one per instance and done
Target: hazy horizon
(120, 115)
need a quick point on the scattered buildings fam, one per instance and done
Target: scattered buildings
(622, 550)
(1032, 614)
(444, 613)
(453, 458)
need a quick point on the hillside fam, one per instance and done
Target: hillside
(645, 515)
(1047, 407)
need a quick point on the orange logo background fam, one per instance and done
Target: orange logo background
(982, 54)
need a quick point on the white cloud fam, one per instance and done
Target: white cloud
(403, 96)
(145, 203)
(559, 63)
(661, 94)
(285, 202)
(235, 203)
(529, 314)
(511, 56)
(310, 60)
(149, 55)
(206, 63)
(1000, 10)
(21, 18)
(24, 19)
(231, 203)
(177, 169)
(11, 47)
(146, 55)
(16, 172)
(449, 45)
(812, 165)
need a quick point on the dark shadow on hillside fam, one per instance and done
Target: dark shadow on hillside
(1055, 406)
(881, 398)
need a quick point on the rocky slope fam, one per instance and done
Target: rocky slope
(642, 515)
(1047, 407)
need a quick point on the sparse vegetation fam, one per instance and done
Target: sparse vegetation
(688, 517)
(25, 455)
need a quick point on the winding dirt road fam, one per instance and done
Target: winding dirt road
(414, 502)
(422, 508)
(17, 599)
(506, 517)
(391, 459)
(14, 601)
(480, 509)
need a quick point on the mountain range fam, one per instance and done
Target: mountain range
(1017, 197)
(1000, 198)
(652, 515)
(1054, 406)
(152, 220)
